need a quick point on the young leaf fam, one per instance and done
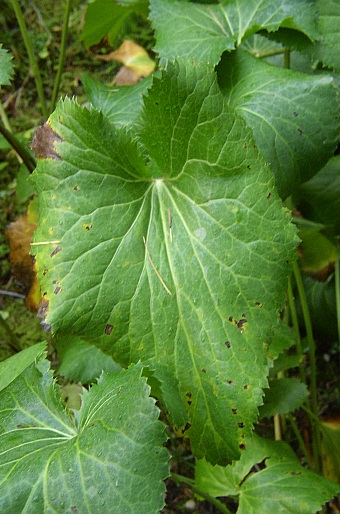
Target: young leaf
(294, 116)
(52, 463)
(273, 488)
(6, 67)
(175, 251)
(204, 32)
(284, 395)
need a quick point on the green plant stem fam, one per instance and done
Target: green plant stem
(27, 158)
(312, 364)
(179, 479)
(277, 427)
(4, 118)
(262, 55)
(13, 341)
(295, 323)
(286, 58)
(300, 439)
(337, 283)
(61, 55)
(31, 56)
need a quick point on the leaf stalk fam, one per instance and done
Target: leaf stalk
(179, 479)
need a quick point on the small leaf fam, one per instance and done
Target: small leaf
(283, 396)
(203, 32)
(112, 453)
(294, 116)
(270, 489)
(6, 67)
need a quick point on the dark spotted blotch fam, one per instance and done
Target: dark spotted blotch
(43, 142)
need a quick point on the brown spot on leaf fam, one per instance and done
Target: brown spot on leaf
(269, 195)
(242, 446)
(57, 290)
(43, 142)
(87, 226)
(240, 425)
(76, 188)
(234, 411)
(230, 382)
(227, 343)
(55, 251)
(203, 370)
(300, 132)
(241, 323)
(45, 271)
(245, 387)
(108, 329)
(295, 114)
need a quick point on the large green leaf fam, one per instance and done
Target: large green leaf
(294, 116)
(203, 32)
(174, 250)
(111, 454)
(281, 485)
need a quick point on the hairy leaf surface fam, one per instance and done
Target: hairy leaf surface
(204, 32)
(111, 454)
(173, 250)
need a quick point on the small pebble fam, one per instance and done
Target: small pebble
(190, 505)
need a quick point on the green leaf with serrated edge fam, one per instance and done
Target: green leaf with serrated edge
(11, 368)
(283, 486)
(105, 18)
(6, 67)
(200, 292)
(111, 454)
(204, 32)
(120, 104)
(294, 116)
(81, 361)
(283, 338)
(284, 395)
(319, 198)
(284, 362)
(326, 50)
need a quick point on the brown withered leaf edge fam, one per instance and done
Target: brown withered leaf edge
(43, 142)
